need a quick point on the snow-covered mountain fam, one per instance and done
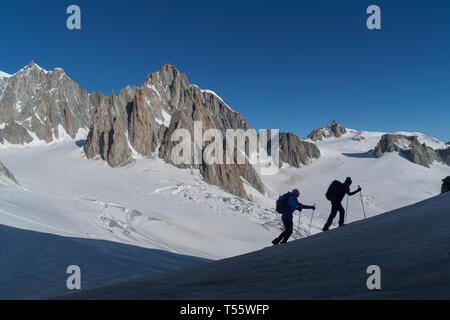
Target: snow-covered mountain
(154, 205)
(409, 245)
(40, 106)
(109, 176)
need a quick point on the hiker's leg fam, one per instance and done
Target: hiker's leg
(283, 234)
(341, 210)
(332, 215)
(289, 225)
(277, 240)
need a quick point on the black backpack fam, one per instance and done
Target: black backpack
(332, 190)
(282, 205)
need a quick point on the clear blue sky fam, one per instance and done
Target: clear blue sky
(292, 65)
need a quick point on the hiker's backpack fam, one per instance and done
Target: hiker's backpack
(282, 205)
(332, 190)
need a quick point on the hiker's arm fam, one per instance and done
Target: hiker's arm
(308, 207)
(354, 192)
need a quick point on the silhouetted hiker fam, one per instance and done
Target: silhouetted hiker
(335, 193)
(286, 205)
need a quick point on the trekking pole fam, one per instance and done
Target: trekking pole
(298, 225)
(346, 210)
(362, 204)
(310, 222)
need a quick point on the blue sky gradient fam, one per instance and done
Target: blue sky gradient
(292, 65)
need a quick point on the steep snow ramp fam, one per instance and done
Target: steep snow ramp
(411, 245)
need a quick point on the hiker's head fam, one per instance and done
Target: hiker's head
(295, 193)
(348, 181)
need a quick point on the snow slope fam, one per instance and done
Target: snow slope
(411, 246)
(33, 264)
(149, 204)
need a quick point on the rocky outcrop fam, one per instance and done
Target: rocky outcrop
(296, 152)
(410, 148)
(444, 155)
(39, 104)
(445, 185)
(333, 130)
(142, 120)
(6, 176)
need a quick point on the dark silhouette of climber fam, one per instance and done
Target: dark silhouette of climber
(335, 193)
(286, 205)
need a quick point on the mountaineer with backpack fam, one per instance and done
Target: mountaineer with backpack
(286, 205)
(335, 194)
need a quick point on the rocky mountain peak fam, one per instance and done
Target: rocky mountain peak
(166, 75)
(31, 66)
(333, 130)
(410, 148)
(38, 105)
(144, 119)
(296, 152)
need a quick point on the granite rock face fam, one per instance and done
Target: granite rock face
(150, 115)
(143, 120)
(410, 148)
(445, 185)
(332, 130)
(296, 152)
(40, 104)
(444, 155)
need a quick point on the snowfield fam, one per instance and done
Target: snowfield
(411, 246)
(149, 205)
